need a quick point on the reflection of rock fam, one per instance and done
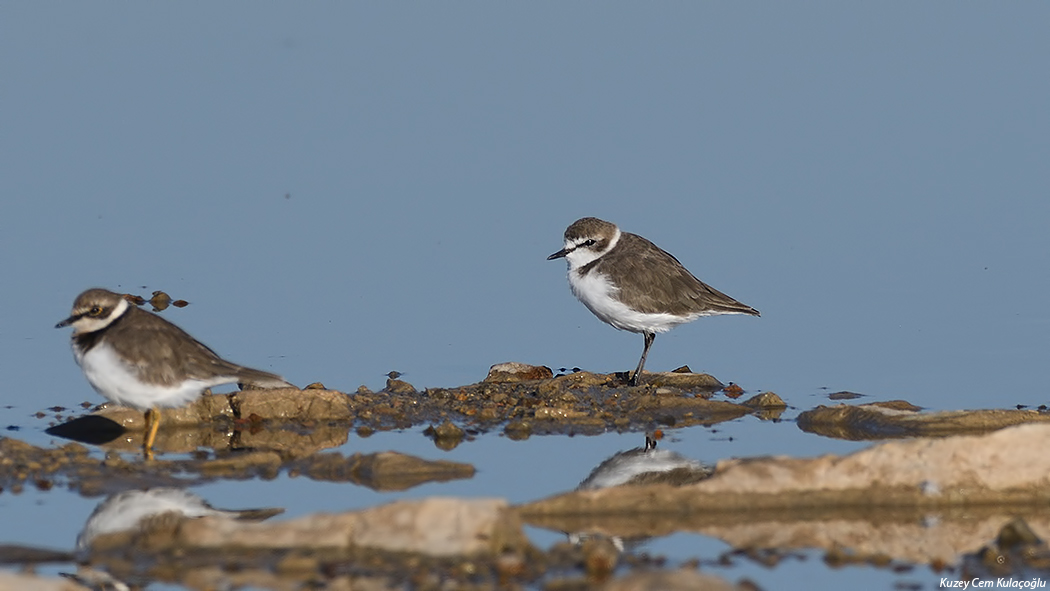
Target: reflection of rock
(21, 462)
(381, 471)
(126, 510)
(452, 542)
(432, 526)
(914, 536)
(288, 440)
(1017, 552)
(895, 419)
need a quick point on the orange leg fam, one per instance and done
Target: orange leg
(152, 424)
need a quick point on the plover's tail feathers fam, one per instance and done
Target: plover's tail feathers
(254, 514)
(724, 304)
(711, 301)
(259, 379)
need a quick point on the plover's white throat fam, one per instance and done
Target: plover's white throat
(634, 285)
(135, 358)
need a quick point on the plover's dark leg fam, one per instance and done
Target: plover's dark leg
(649, 338)
(650, 442)
(152, 424)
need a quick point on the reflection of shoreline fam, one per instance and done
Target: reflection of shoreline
(127, 510)
(913, 535)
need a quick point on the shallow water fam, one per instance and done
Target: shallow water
(343, 191)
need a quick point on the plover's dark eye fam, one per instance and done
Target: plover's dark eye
(590, 242)
(96, 311)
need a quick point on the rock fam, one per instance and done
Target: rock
(399, 387)
(898, 418)
(706, 384)
(446, 435)
(279, 404)
(1006, 466)
(433, 526)
(518, 430)
(844, 395)
(765, 400)
(289, 404)
(733, 391)
(518, 372)
(437, 526)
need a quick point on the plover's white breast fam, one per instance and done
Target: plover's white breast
(600, 296)
(119, 382)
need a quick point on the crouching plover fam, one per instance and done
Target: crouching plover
(135, 358)
(634, 285)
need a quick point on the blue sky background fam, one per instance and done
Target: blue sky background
(343, 189)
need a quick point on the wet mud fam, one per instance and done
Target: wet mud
(967, 494)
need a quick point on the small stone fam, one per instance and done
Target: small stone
(160, 301)
(518, 430)
(733, 391)
(399, 387)
(765, 400)
(445, 431)
(897, 405)
(518, 372)
(135, 299)
(844, 395)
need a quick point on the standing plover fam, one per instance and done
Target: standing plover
(135, 358)
(634, 285)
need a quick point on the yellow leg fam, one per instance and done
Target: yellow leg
(152, 424)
